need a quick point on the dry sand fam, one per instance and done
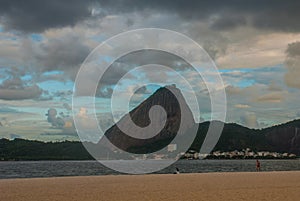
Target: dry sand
(256, 186)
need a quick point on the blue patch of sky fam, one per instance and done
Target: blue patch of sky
(251, 75)
(106, 59)
(98, 38)
(3, 74)
(33, 110)
(242, 70)
(245, 83)
(102, 105)
(152, 88)
(270, 74)
(53, 85)
(278, 67)
(26, 77)
(6, 37)
(36, 37)
(56, 72)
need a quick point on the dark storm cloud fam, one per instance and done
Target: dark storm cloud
(36, 15)
(17, 89)
(144, 57)
(273, 15)
(113, 74)
(65, 53)
(229, 22)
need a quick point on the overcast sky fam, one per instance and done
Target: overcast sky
(255, 44)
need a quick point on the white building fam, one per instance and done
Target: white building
(172, 147)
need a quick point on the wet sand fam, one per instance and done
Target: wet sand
(255, 186)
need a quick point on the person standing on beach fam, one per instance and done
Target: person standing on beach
(177, 171)
(257, 165)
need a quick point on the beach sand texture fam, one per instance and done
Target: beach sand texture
(254, 186)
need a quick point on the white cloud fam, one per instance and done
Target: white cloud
(242, 106)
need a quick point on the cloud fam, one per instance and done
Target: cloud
(16, 89)
(37, 16)
(261, 46)
(8, 110)
(67, 106)
(274, 87)
(14, 136)
(65, 48)
(280, 15)
(62, 94)
(249, 119)
(232, 90)
(274, 97)
(242, 106)
(293, 49)
(104, 92)
(292, 64)
(62, 122)
(64, 53)
(52, 118)
(142, 90)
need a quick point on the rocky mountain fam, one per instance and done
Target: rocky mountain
(169, 98)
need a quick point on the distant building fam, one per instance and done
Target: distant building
(285, 154)
(201, 156)
(260, 153)
(172, 147)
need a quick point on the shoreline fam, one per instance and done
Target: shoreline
(296, 158)
(148, 174)
(277, 185)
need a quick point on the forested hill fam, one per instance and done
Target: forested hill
(280, 138)
(20, 149)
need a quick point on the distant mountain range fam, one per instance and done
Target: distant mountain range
(279, 138)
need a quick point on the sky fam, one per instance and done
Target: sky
(255, 45)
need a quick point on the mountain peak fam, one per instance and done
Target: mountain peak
(174, 105)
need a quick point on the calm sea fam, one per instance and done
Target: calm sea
(31, 169)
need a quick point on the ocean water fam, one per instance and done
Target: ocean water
(32, 169)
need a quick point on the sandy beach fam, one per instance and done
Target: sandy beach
(253, 186)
